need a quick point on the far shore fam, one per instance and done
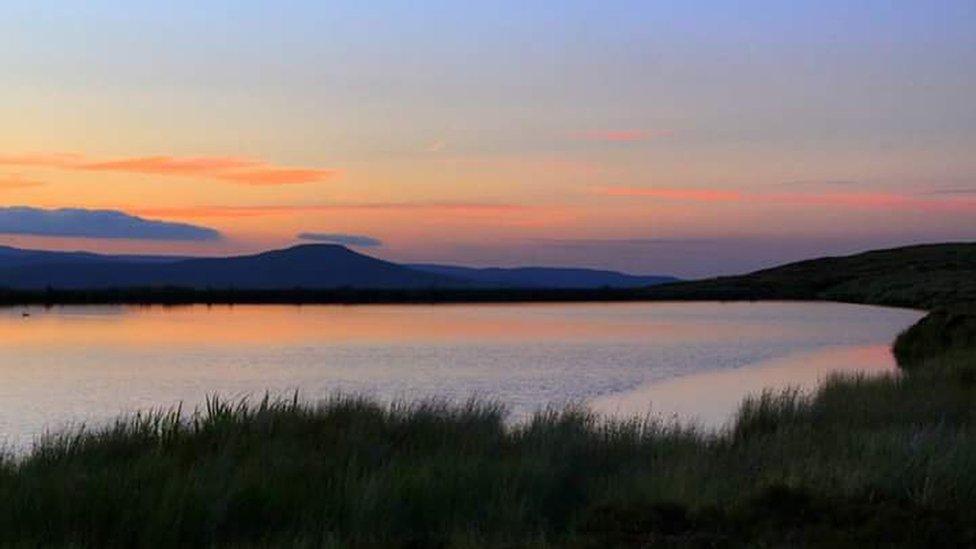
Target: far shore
(366, 296)
(349, 296)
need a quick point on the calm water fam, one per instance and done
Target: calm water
(70, 365)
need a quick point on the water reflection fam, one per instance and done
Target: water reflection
(710, 399)
(71, 364)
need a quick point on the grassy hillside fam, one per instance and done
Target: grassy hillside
(880, 461)
(925, 277)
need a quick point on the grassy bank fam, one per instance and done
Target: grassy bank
(880, 460)
(888, 459)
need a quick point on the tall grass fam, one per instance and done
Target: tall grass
(886, 459)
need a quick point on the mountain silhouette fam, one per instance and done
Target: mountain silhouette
(308, 266)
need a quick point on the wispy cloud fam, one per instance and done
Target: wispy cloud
(956, 191)
(428, 213)
(692, 195)
(837, 198)
(232, 169)
(815, 183)
(461, 208)
(167, 165)
(620, 136)
(358, 240)
(18, 182)
(534, 166)
(77, 222)
(270, 175)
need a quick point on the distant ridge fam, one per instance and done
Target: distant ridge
(307, 266)
(544, 277)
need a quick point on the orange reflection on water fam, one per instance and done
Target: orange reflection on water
(712, 398)
(158, 326)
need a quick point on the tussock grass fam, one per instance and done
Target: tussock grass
(881, 459)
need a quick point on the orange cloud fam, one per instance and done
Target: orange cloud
(167, 165)
(844, 199)
(508, 215)
(276, 176)
(17, 182)
(253, 211)
(236, 170)
(544, 166)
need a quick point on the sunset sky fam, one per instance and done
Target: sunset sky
(687, 138)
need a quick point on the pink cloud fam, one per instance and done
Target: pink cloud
(251, 211)
(168, 165)
(855, 199)
(237, 170)
(269, 175)
(544, 166)
(691, 195)
(422, 212)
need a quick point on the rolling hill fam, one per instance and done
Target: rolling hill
(924, 276)
(310, 266)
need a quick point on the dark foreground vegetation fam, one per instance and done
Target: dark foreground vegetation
(887, 460)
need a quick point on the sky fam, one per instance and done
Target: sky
(686, 138)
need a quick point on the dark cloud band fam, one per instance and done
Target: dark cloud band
(83, 223)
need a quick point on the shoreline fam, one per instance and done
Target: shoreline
(171, 297)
